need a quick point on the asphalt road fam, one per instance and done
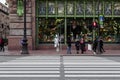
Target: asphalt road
(59, 67)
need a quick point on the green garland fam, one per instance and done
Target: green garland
(20, 7)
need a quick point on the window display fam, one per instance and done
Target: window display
(75, 18)
(111, 30)
(48, 28)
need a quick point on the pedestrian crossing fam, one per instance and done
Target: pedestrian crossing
(60, 68)
(91, 67)
(31, 67)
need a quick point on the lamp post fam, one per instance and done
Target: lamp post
(98, 28)
(24, 41)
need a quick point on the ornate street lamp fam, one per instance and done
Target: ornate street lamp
(24, 40)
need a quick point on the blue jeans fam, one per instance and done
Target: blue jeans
(68, 50)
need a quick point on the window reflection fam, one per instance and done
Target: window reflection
(70, 8)
(51, 8)
(80, 8)
(117, 8)
(42, 8)
(89, 8)
(108, 8)
(60, 7)
(98, 8)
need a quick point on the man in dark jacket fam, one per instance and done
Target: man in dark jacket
(95, 43)
(101, 46)
(68, 45)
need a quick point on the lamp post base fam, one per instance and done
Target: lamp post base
(24, 47)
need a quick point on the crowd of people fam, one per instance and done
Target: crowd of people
(80, 45)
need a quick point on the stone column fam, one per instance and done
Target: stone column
(17, 25)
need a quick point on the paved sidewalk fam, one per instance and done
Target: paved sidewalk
(61, 52)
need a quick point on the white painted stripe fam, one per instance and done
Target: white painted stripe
(31, 63)
(91, 63)
(88, 66)
(92, 72)
(110, 76)
(89, 60)
(29, 75)
(30, 66)
(36, 60)
(29, 71)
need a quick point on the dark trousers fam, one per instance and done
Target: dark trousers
(102, 49)
(2, 48)
(94, 48)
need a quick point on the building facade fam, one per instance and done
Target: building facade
(4, 21)
(65, 18)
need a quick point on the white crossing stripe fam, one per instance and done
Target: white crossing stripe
(110, 76)
(31, 66)
(29, 75)
(111, 72)
(90, 67)
(29, 72)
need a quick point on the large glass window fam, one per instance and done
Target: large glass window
(74, 18)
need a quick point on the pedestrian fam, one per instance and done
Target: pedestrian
(89, 46)
(101, 46)
(77, 45)
(82, 45)
(95, 43)
(56, 42)
(69, 45)
(2, 44)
